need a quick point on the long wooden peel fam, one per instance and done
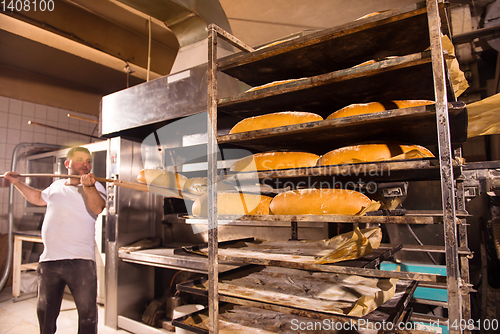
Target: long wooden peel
(100, 179)
(130, 185)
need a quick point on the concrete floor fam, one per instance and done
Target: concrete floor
(20, 317)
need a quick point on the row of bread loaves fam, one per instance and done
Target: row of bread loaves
(285, 118)
(266, 161)
(294, 202)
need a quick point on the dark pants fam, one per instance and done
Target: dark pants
(81, 278)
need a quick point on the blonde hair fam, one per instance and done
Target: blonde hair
(72, 151)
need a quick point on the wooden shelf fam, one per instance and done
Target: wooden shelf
(330, 176)
(328, 92)
(417, 220)
(298, 254)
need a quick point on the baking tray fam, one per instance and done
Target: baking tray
(399, 31)
(390, 311)
(407, 219)
(290, 257)
(344, 174)
(246, 319)
(284, 253)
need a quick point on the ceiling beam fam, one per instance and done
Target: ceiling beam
(42, 90)
(58, 42)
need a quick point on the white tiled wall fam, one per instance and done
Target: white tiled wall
(14, 129)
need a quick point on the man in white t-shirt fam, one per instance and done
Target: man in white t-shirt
(68, 231)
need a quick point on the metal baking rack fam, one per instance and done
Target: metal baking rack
(327, 78)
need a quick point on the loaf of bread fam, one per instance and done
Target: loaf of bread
(373, 152)
(319, 202)
(373, 61)
(275, 160)
(196, 185)
(357, 109)
(234, 203)
(199, 186)
(412, 103)
(162, 178)
(271, 84)
(371, 107)
(274, 120)
(276, 43)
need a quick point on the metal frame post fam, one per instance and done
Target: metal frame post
(213, 230)
(213, 263)
(446, 167)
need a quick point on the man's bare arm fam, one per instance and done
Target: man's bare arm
(32, 195)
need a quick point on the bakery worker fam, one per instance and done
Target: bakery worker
(68, 234)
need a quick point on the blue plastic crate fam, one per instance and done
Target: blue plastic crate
(422, 292)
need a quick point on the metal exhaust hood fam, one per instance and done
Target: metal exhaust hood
(188, 20)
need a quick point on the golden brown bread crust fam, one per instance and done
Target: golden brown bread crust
(274, 120)
(234, 203)
(162, 178)
(370, 153)
(319, 202)
(271, 84)
(275, 160)
(371, 107)
(412, 103)
(196, 185)
(357, 109)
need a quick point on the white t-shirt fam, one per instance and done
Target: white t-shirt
(68, 229)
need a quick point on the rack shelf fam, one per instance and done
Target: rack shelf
(401, 170)
(165, 258)
(417, 220)
(292, 256)
(398, 32)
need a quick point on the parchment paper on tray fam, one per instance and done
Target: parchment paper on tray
(346, 246)
(351, 245)
(484, 117)
(341, 294)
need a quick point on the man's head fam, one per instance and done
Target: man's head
(78, 161)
